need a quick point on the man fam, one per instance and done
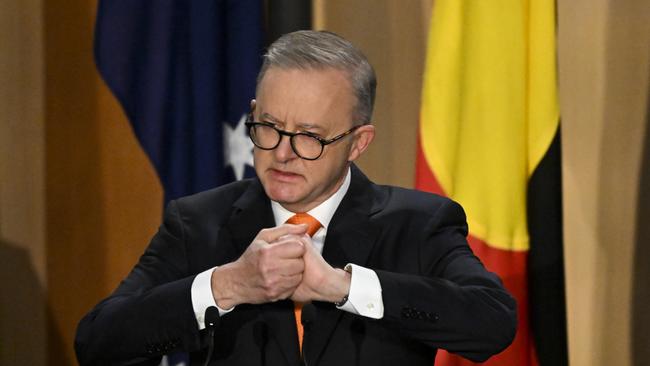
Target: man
(382, 275)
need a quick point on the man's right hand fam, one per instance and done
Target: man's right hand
(265, 272)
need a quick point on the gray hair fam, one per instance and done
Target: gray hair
(321, 49)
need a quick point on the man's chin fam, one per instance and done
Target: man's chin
(283, 195)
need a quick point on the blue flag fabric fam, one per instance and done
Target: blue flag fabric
(184, 72)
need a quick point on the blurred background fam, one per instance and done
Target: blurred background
(79, 199)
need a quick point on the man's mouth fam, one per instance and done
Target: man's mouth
(283, 175)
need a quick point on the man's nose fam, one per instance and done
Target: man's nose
(284, 151)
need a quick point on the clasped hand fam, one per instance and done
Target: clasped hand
(280, 263)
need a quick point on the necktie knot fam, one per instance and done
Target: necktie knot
(304, 218)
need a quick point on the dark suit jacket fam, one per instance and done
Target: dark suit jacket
(436, 293)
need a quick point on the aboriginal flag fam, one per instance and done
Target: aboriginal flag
(489, 139)
(184, 72)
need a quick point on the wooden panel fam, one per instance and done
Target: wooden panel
(22, 187)
(604, 58)
(103, 198)
(641, 274)
(392, 34)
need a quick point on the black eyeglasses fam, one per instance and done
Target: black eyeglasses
(306, 145)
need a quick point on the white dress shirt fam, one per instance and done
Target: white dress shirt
(365, 290)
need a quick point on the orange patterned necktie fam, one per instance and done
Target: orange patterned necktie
(313, 226)
(305, 218)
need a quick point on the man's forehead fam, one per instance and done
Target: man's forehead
(305, 97)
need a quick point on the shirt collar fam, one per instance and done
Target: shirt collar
(323, 212)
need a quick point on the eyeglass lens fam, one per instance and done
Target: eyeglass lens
(305, 146)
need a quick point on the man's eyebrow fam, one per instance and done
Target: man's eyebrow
(309, 126)
(269, 117)
(301, 125)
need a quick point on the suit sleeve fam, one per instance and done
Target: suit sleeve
(453, 303)
(150, 314)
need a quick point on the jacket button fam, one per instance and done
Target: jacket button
(432, 317)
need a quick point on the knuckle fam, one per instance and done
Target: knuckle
(268, 284)
(264, 231)
(266, 270)
(265, 253)
(255, 246)
(263, 234)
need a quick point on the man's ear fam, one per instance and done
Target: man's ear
(253, 104)
(363, 136)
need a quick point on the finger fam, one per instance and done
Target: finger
(286, 248)
(282, 267)
(290, 267)
(308, 243)
(288, 237)
(272, 234)
(291, 282)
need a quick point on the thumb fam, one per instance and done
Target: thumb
(308, 243)
(270, 235)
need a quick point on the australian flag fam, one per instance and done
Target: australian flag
(184, 72)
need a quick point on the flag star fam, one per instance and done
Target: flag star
(238, 148)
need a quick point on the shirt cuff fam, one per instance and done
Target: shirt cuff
(202, 297)
(365, 293)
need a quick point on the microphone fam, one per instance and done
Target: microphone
(212, 319)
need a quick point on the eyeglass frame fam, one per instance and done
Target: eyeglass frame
(250, 124)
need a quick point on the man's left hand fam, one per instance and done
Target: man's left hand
(320, 281)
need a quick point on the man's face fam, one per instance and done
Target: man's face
(316, 101)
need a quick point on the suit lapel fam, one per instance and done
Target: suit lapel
(252, 213)
(350, 239)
